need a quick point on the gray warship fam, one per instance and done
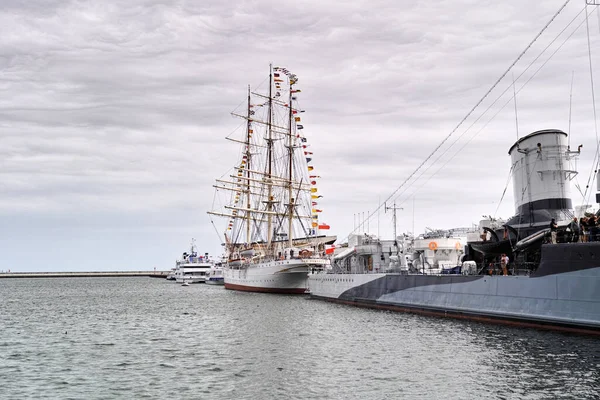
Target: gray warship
(548, 285)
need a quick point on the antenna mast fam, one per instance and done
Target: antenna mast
(515, 101)
(393, 208)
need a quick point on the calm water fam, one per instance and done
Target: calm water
(105, 338)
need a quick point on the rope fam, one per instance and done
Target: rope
(587, 26)
(499, 97)
(210, 216)
(488, 108)
(570, 106)
(473, 108)
(505, 187)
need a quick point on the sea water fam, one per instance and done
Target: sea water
(134, 338)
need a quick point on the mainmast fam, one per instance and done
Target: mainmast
(270, 160)
(290, 166)
(248, 168)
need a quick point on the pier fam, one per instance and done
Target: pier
(91, 274)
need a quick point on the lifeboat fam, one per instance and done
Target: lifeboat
(247, 252)
(305, 253)
(236, 262)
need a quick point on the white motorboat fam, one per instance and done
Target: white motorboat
(215, 275)
(171, 274)
(192, 268)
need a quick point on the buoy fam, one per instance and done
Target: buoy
(457, 246)
(433, 246)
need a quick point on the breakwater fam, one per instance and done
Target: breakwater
(89, 274)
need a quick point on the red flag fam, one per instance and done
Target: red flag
(324, 226)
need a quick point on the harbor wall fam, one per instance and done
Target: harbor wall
(90, 274)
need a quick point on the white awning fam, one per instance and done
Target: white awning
(345, 253)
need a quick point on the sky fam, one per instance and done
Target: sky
(113, 115)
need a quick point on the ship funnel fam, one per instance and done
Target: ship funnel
(542, 168)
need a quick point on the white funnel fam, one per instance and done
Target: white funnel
(543, 167)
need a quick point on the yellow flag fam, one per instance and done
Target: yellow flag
(313, 190)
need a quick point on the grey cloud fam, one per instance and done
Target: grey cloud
(114, 109)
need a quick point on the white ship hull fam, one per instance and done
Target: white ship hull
(285, 276)
(191, 279)
(192, 272)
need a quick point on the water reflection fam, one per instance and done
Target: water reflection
(131, 338)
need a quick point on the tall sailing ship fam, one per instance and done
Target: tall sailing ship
(272, 235)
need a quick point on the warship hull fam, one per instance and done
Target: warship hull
(562, 294)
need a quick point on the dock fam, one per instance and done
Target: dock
(91, 274)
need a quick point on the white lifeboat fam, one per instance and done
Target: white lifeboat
(247, 252)
(236, 262)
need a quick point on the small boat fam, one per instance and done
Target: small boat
(247, 252)
(237, 262)
(215, 275)
(171, 276)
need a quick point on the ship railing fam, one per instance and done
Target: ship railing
(565, 235)
(515, 268)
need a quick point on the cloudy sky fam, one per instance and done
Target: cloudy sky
(113, 114)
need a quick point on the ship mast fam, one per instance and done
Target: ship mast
(270, 160)
(248, 168)
(290, 174)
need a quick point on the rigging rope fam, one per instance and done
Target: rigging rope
(494, 103)
(210, 216)
(587, 26)
(498, 98)
(435, 150)
(570, 107)
(505, 187)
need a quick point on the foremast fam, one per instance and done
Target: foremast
(248, 156)
(291, 203)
